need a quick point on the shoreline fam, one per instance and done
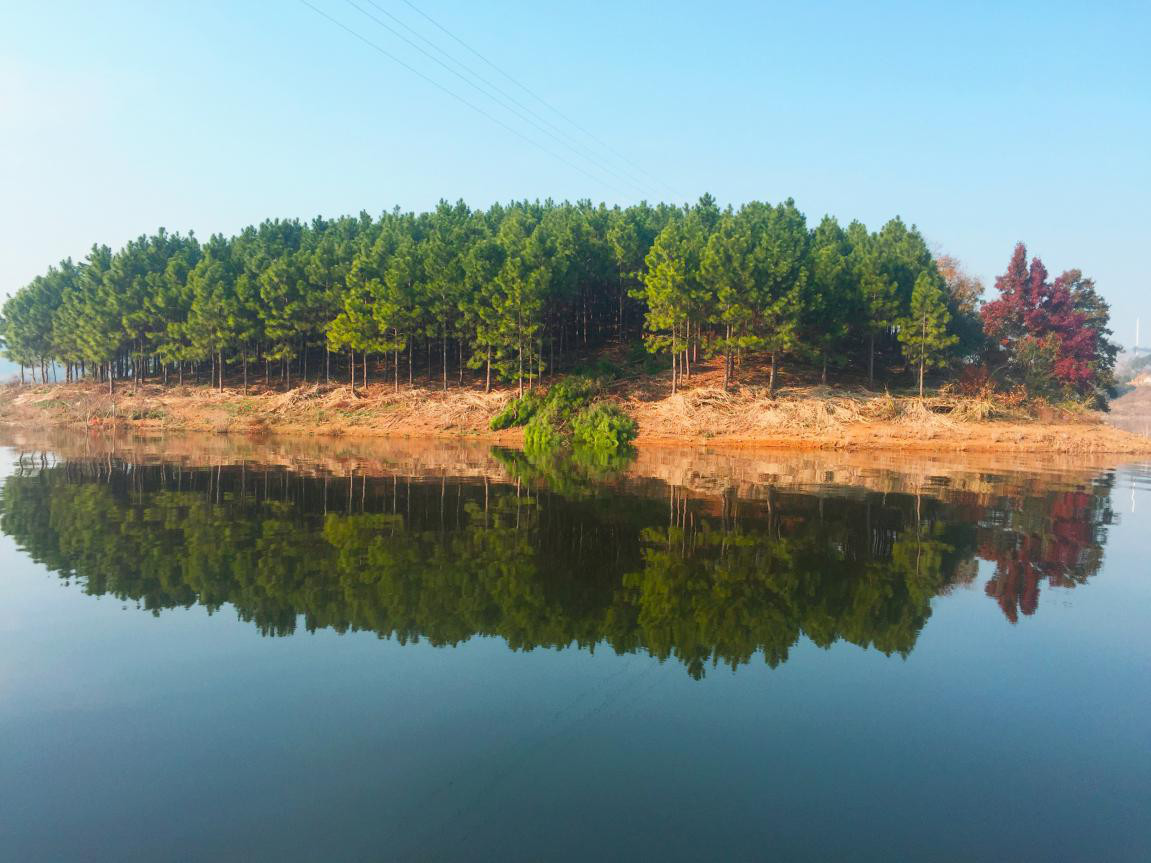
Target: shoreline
(797, 418)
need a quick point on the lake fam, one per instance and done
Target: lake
(216, 649)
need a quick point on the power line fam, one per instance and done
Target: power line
(566, 140)
(535, 95)
(450, 92)
(483, 92)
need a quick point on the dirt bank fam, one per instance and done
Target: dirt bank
(795, 417)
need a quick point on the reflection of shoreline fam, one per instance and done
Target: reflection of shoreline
(699, 471)
(635, 563)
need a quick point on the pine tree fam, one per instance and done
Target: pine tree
(923, 333)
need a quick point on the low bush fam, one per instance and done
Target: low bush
(568, 412)
(603, 427)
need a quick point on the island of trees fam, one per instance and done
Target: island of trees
(522, 291)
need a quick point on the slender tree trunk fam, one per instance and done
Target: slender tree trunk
(922, 353)
(365, 370)
(771, 376)
(245, 371)
(352, 369)
(871, 358)
(488, 372)
(823, 371)
(396, 357)
(328, 363)
(444, 345)
(727, 360)
(221, 371)
(619, 313)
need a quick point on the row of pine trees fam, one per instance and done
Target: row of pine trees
(509, 294)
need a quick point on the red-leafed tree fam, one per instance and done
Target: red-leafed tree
(1052, 335)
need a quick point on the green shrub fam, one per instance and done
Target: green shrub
(603, 427)
(541, 435)
(517, 412)
(148, 414)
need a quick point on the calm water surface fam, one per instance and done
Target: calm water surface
(264, 652)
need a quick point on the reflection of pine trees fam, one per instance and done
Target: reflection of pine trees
(702, 581)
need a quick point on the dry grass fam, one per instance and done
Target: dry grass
(795, 416)
(708, 412)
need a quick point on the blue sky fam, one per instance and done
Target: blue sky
(983, 124)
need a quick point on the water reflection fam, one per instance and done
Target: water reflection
(547, 554)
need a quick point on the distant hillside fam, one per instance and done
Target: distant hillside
(1132, 410)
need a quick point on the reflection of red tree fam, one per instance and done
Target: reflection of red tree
(1058, 544)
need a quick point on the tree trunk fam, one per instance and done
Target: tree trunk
(328, 363)
(871, 358)
(444, 344)
(823, 372)
(727, 360)
(365, 369)
(352, 369)
(245, 371)
(771, 376)
(619, 318)
(488, 372)
(922, 353)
